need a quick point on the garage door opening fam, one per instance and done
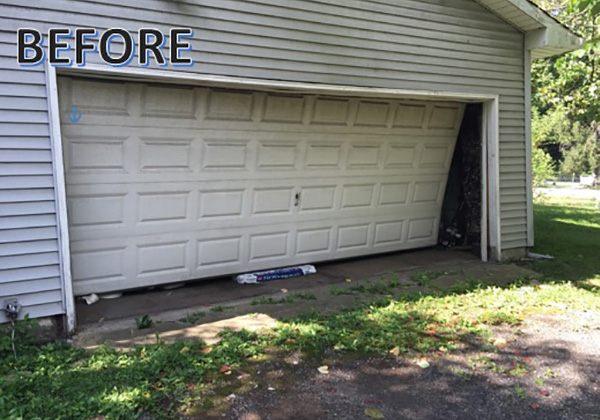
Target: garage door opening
(460, 223)
(172, 183)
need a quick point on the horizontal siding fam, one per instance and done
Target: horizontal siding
(404, 44)
(29, 258)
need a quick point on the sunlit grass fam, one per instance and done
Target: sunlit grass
(59, 382)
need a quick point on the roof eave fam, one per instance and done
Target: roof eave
(551, 40)
(544, 35)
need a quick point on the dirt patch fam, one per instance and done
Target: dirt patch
(548, 368)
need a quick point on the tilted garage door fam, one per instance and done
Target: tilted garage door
(170, 183)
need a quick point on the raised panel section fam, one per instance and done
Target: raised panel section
(444, 117)
(109, 98)
(277, 156)
(357, 196)
(162, 258)
(98, 264)
(372, 113)
(353, 236)
(219, 251)
(313, 241)
(421, 229)
(289, 109)
(409, 116)
(393, 193)
(272, 201)
(388, 232)
(363, 156)
(96, 154)
(162, 207)
(323, 156)
(221, 203)
(229, 105)
(165, 155)
(272, 245)
(400, 156)
(172, 102)
(426, 192)
(317, 198)
(224, 154)
(330, 111)
(434, 157)
(96, 210)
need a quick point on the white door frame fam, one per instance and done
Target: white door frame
(490, 132)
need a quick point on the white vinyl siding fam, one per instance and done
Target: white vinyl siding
(405, 44)
(29, 265)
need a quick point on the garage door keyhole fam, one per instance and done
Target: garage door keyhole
(297, 199)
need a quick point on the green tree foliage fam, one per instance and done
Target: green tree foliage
(566, 92)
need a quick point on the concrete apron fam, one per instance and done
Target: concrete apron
(238, 314)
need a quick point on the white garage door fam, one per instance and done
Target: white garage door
(168, 183)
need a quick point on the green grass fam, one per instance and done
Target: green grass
(58, 381)
(569, 230)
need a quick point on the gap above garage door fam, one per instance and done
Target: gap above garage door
(172, 183)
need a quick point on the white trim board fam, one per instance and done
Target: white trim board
(492, 128)
(528, 151)
(60, 195)
(165, 76)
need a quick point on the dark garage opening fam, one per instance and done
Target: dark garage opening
(460, 223)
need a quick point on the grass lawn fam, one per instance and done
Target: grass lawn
(57, 381)
(570, 230)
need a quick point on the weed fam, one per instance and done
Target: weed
(424, 278)
(25, 336)
(520, 392)
(265, 300)
(290, 298)
(539, 381)
(221, 308)
(338, 291)
(465, 375)
(501, 317)
(144, 322)
(519, 370)
(193, 317)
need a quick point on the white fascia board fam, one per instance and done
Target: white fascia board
(551, 38)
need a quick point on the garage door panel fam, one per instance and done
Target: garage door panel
(167, 184)
(100, 160)
(142, 230)
(141, 261)
(142, 105)
(148, 208)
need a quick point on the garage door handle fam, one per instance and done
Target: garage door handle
(297, 199)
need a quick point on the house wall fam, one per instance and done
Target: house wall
(405, 44)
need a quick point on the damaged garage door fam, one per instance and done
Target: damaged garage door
(171, 183)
